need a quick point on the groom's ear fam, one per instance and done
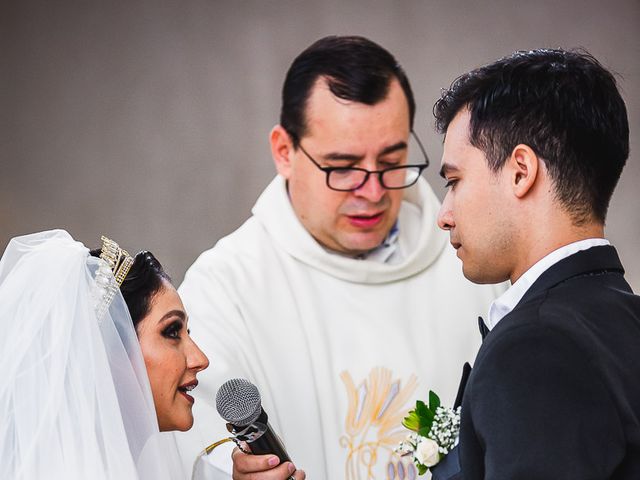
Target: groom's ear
(524, 171)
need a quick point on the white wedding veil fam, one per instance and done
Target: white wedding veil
(75, 400)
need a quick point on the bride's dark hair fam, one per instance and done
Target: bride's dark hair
(141, 284)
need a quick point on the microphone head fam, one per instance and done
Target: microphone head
(238, 402)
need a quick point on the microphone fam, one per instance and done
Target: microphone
(238, 403)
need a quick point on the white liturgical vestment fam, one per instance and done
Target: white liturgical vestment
(339, 348)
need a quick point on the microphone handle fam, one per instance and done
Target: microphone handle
(268, 442)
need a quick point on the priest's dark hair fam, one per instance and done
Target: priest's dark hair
(355, 69)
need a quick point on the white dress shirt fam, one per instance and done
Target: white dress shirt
(506, 302)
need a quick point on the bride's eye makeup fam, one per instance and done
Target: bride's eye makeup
(173, 330)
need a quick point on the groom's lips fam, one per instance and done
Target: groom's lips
(456, 246)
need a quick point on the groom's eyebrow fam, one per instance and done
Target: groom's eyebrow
(447, 168)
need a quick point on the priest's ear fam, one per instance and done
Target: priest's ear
(282, 150)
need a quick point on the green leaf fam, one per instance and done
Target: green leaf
(428, 416)
(420, 419)
(421, 469)
(424, 430)
(434, 401)
(421, 409)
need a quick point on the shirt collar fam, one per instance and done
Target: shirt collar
(384, 252)
(506, 302)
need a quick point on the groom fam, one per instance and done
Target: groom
(535, 144)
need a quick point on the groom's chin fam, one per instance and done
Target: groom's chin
(483, 273)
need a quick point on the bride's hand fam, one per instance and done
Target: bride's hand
(262, 467)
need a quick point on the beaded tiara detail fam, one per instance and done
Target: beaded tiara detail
(114, 265)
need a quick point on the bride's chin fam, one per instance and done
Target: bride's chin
(187, 421)
(184, 426)
(179, 417)
(181, 426)
(188, 426)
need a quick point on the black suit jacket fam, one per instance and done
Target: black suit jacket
(555, 389)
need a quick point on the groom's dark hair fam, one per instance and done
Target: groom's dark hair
(564, 105)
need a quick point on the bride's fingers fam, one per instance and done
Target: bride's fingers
(299, 475)
(262, 467)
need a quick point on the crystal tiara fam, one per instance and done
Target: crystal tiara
(113, 268)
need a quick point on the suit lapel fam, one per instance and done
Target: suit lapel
(594, 260)
(484, 330)
(466, 371)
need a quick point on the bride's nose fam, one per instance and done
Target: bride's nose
(196, 359)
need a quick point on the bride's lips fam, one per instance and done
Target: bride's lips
(187, 387)
(366, 220)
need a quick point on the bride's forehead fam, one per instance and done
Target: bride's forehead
(167, 298)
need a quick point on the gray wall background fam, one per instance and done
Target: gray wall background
(148, 120)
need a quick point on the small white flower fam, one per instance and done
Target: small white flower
(404, 448)
(427, 452)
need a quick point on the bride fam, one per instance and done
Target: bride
(96, 361)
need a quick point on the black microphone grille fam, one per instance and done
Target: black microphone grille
(238, 402)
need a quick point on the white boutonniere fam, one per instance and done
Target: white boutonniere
(434, 433)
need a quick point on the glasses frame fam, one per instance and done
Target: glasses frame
(380, 173)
